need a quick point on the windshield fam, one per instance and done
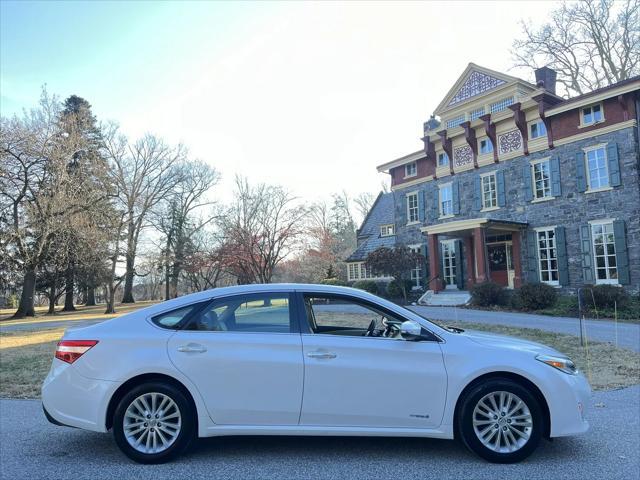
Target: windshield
(440, 323)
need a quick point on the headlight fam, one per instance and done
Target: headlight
(561, 363)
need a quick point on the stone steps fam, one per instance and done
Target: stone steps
(445, 298)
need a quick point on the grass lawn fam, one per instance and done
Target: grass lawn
(25, 358)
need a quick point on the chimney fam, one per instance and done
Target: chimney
(546, 78)
(431, 124)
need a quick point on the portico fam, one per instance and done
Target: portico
(465, 252)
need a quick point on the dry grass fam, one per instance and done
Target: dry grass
(25, 357)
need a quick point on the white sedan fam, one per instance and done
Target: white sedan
(307, 360)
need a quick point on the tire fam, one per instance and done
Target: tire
(517, 433)
(135, 436)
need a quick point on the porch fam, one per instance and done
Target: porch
(466, 252)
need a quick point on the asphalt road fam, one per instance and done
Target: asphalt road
(31, 448)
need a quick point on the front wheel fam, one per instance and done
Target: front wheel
(153, 423)
(501, 421)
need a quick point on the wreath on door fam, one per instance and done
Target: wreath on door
(498, 256)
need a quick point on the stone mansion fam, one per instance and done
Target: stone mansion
(515, 184)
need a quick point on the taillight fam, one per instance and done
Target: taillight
(71, 350)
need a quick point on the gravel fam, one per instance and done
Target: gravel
(32, 448)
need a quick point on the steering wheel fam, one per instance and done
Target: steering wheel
(371, 328)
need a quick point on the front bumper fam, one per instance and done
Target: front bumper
(73, 400)
(569, 404)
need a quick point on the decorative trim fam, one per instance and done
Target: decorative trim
(588, 100)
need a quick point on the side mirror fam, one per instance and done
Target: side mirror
(411, 331)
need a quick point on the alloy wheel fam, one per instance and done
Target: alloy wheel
(152, 423)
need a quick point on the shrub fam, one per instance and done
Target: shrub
(488, 294)
(367, 285)
(394, 290)
(606, 296)
(333, 281)
(536, 296)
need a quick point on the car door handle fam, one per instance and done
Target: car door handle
(321, 355)
(192, 348)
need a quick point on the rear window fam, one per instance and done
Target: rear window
(171, 319)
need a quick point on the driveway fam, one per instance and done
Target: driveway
(627, 335)
(32, 448)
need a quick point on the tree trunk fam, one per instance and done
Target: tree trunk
(26, 309)
(127, 296)
(91, 296)
(110, 295)
(68, 290)
(167, 282)
(52, 298)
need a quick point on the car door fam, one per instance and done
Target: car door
(356, 380)
(244, 354)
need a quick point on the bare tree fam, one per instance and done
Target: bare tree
(143, 173)
(364, 202)
(263, 225)
(590, 43)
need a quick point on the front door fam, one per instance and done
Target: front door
(500, 263)
(449, 264)
(358, 380)
(244, 354)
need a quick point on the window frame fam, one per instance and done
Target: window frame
(495, 191)
(416, 248)
(608, 280)
(444, 155)
(389, 227)
(548, 260)
(537, 123)
(584, 123)
(409, 208)
(294, 324)
(408, 174)
(486, 141)
(199, 306)
(587, 172)
(534, 163)
(442, 187)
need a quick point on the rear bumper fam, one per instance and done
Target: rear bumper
(72, 400)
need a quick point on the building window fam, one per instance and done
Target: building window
(354, 271)
(412, 208)
(541, 179)
(410, 170)
(597, 172)
(537, 129)
(489, 192)
(592, 114)
(548, 256)
(416, 273)
(604, 252)
(500, 105)
(486, 146)
(446, 200)
(454, 122)
(443, 159)
(477, 113)
(387, 230)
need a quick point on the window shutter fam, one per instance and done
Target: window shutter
(588, 276)
(556, 188)
(425, 266)
(526, 177)
(455, 195)
(581, 176)
(436, 204)
(405, 210)
(421, 206)
(532, 257)
(502, 198)
(477, 193)
(622, 255)
(459, 263)
(614, 165)
(561, 252)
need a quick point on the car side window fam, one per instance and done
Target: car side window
(336, 315)
(171, 319)
(265, 313)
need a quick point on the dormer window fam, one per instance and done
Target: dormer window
(410, 170)
(485, 146)
(387, 230)
(592, 114)
(443, 159)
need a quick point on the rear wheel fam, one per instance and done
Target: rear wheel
(153, 423)
(501, 421)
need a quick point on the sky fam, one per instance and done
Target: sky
(311, 96)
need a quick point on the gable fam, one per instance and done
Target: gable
(476, 83)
